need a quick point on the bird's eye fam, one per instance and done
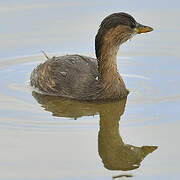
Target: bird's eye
(133, 25)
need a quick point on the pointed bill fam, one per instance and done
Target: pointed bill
(142, 29)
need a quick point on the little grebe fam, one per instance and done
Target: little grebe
(85, 78)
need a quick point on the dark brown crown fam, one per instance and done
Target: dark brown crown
(109, 22)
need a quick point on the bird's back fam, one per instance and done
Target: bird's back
(72, 76)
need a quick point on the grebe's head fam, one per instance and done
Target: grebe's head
(117, 28)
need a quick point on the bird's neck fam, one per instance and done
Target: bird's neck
(107, 67)
(107, 64)
(107, 46)
(109, 76)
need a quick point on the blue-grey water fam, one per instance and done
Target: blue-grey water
(39, 138)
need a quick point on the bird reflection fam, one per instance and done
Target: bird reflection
(115, 154)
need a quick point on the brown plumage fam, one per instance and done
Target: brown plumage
(85, 78)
